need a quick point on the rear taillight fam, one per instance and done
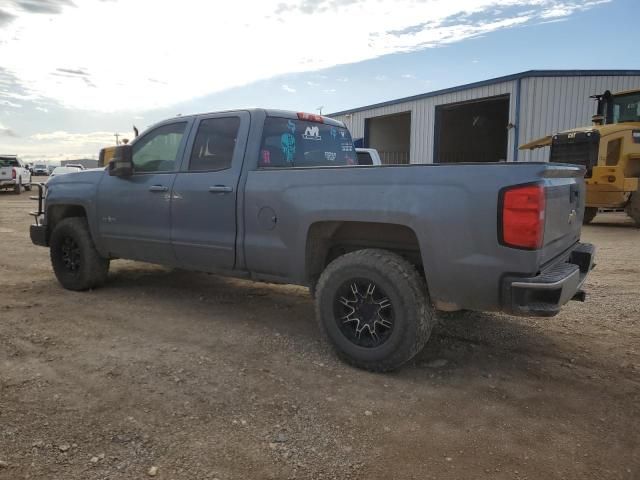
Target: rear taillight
(523, 216)
(310, 117)
(13, 173)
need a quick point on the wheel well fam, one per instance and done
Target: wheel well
(55, 213)
(326, 241)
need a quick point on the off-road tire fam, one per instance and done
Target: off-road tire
(633, 208)
(28, 187)
(414, 316)
(589, 214)
(17, 189)
(91, 269)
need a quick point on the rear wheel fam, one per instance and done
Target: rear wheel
(633, 207)
(374, 308)
(17, 189)
(75, 260)
(589, 214)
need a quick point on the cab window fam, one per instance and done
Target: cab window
(157, 151)
(214, 144)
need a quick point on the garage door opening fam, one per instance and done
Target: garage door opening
(391, 136)
(472, 131)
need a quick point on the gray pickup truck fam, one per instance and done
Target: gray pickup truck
(273, 196)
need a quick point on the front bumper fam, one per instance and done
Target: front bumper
(544, 294)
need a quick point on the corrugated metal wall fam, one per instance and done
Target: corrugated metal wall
(547, 105)
(552, 104)
(423, 117)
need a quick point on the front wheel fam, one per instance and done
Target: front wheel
(633, 208)
(75, 260)
(589, 214)
(374, 308)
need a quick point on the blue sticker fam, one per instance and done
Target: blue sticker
(288, 145)
(291, 126)
(334, 133)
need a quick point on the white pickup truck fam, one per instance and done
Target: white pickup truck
(14, 174)
(368, 156)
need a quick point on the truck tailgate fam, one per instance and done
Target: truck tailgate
(6, 173)
(565, 197)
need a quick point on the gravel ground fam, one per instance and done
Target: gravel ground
(191, 376)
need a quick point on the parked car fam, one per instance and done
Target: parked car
(64, 170)
(14, 174)
(76, 165)
(368, 156)
(268, 195)
(40, 169)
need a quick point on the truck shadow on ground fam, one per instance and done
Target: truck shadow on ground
(459, 340)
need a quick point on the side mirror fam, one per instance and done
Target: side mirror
(121, 163)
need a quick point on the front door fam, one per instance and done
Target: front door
(134, 212)
(203, 209)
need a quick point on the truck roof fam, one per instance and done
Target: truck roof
(270, 112)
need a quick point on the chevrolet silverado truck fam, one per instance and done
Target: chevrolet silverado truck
(276, 196)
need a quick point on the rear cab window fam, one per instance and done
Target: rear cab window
(9, 162)
(290, 142)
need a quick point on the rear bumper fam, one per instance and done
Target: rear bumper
(544, 294)
(38, 234)
(7, 183)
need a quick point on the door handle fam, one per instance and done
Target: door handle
(158, 188)
(220, 189)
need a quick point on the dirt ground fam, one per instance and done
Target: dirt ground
(206, 377)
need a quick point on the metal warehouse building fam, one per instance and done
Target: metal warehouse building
(484, 121)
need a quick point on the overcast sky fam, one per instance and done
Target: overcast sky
(74, 72)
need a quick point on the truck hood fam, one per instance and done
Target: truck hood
(92, 175)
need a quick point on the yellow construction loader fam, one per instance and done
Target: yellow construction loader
(609, 150)
(106, 154)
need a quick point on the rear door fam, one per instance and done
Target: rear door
(203, 207)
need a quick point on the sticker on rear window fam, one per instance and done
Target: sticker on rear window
(288, 145)
(330, 156)
(312, 133)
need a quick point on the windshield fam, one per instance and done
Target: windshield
(8, 162)
(626, 108)
(41, 166)
(300, 143)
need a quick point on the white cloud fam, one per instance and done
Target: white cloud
(8, 103)
(60, 136)
(381, 78)
(313, 84)
(342, 79)
(6, 131)
(408, 75)
(149, 60)
(329, 90)
(289, 89)
(42, 109)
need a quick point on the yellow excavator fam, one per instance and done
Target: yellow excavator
(609, 150)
